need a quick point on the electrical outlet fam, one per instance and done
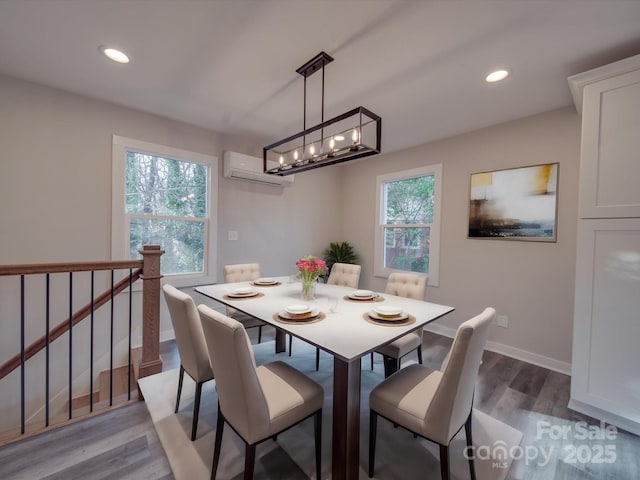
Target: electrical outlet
(233, 235)
(502, 321)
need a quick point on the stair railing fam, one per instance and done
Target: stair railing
(147, 269)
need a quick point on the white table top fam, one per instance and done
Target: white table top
(343, 333)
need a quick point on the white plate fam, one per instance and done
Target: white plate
(243, 291)
(356, 297)
(398, 318)
(265, 281)
(297, 309)
(311, 314)
(387, 310)
(362, 294)
(242, 295)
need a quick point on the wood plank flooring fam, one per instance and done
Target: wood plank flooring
(123, 444)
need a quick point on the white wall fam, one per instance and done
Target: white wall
(55, 201)
(55, 198)
(530, 282)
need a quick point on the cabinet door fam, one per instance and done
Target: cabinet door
(606, 346)
(610, 155)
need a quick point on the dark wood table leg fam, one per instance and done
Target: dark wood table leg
(346, 420)
(281, 341)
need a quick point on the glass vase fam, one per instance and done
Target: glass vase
(308, 289)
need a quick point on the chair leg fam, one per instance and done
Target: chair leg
(180, 378)
(217, 443)
(420, 354)
(249, 461)
(390, 365)
(373, 424)
(317, 359)
(260, 334)
(371, 360)
(444, 462)
(467, 431)
(317, 429)
(196, 410)
(290, 343)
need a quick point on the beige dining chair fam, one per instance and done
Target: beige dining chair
(194, 357)
(257, 402)
(434, 404)
(409, 285)
(243, 272)
(345, 274)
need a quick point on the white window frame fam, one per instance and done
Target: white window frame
(120, 220)
(379, 270)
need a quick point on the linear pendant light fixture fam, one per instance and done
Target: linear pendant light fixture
(354, 134)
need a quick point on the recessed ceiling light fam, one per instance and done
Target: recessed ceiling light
(497, 76)
(114, 54)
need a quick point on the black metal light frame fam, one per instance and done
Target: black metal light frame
(365, 118)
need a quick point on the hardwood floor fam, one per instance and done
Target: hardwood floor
(123, 444)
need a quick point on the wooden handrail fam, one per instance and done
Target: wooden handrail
(39, 268)
(62, 328)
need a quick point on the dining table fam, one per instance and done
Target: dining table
(347, 328)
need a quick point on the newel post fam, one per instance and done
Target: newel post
(150, 362)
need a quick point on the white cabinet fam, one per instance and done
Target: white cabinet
(610, 159)
(606, 346)
(605, 381)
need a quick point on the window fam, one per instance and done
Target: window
(164, 196)
(408, 222)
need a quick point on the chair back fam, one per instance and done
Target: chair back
(409, 285)
(241, 272)
(187, 327)
(241, 398)
(344, 274)
(453, 399)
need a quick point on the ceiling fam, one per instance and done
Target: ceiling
(230, 65)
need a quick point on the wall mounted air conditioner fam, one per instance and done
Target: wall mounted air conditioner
(249, 169)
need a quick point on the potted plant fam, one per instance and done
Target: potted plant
(339, 252)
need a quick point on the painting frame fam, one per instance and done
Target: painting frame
(518, 203)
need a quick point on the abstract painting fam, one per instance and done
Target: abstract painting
(515, 204)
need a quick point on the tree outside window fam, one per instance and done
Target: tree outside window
(166, 204)
(408, 222)
(408, 215)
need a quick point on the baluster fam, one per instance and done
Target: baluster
(46, 363)
(91, 343)
(22, 412)
(70, 345)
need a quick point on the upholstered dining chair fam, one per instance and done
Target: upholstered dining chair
(194, 357)
(345, 274)
(243, 272)
(434, 404)
(257, 402)
(409, 285)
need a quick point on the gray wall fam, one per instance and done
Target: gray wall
(530, 282)
(55, 205)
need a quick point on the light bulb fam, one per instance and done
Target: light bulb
(339, 138)
(295, 154)
(312, 150)
(332, 143)
(354, 135)
(281, 159)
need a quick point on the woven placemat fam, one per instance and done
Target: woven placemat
(390, 323)
(302, 321)
(258, 295)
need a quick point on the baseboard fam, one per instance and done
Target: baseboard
(517, 353)
(607, 417)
